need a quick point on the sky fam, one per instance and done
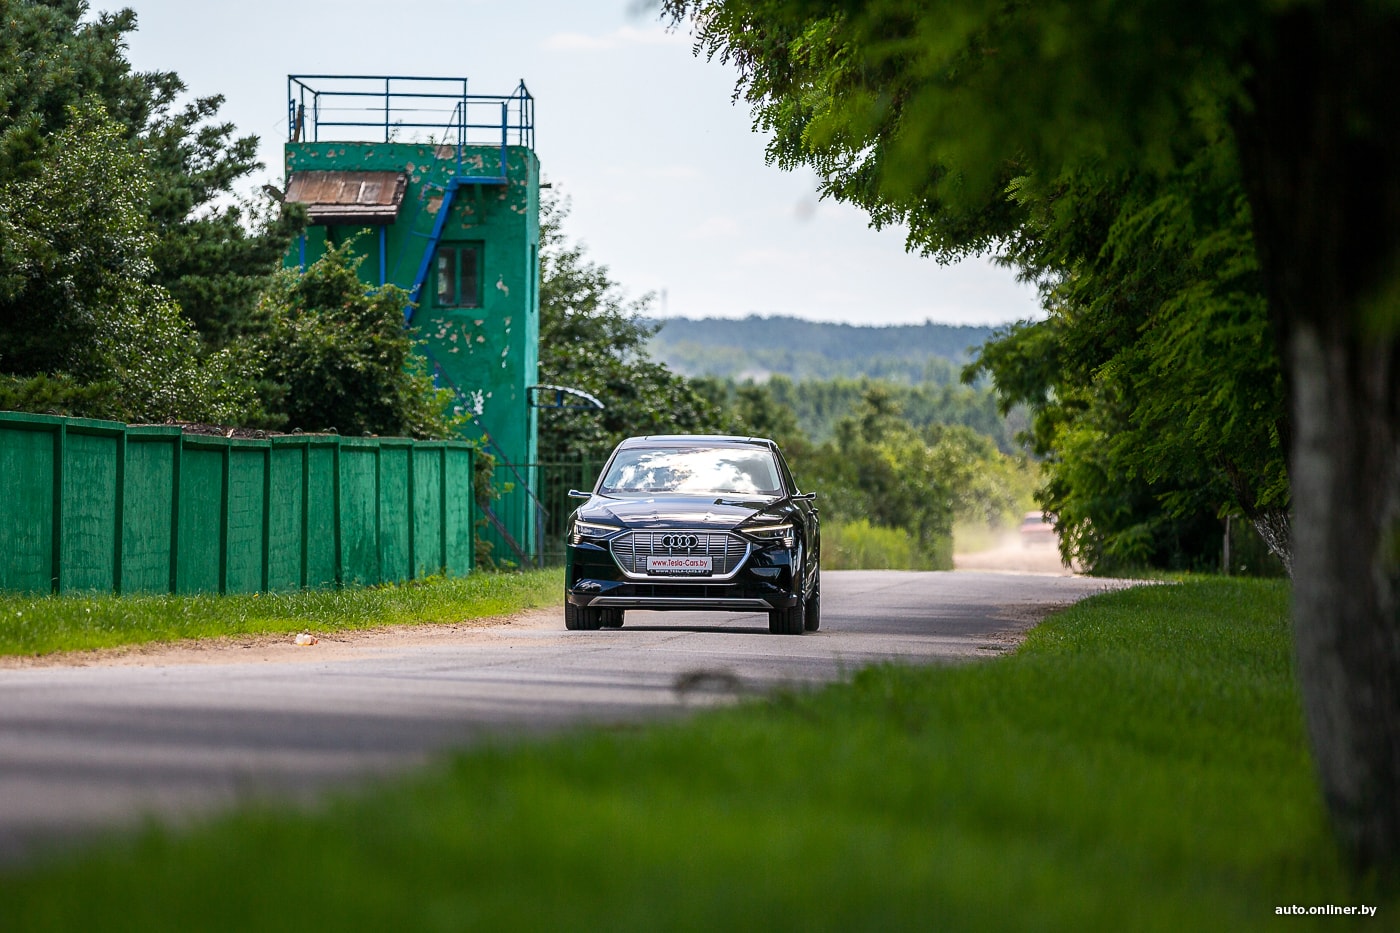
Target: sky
(666, 180)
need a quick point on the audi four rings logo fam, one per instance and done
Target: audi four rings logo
(680, 541)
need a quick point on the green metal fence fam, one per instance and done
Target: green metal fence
(98, 505)
(548, 501)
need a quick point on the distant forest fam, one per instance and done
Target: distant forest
(759, 347)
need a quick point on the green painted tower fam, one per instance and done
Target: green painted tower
(438, 191)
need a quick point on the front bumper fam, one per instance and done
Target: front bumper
(765, 581)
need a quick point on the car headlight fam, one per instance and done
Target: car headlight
(772, 533)
(591, 531)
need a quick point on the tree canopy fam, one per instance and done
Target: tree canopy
(81, 327)
(973, 122)
(1157, 396)
(164, 214)
(126, 263)
(210, 252)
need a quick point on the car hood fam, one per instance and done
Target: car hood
(670, 511)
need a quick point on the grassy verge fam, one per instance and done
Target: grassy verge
(43, 624)
(1139, 764)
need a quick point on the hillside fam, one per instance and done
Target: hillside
(758, 347)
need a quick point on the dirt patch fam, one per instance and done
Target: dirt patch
(233, 649)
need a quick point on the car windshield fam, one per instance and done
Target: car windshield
(697, 471)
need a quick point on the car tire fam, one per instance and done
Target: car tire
(612, 618)
(789, 621)
(581, 618)
(812, 619)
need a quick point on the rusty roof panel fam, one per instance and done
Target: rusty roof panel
(349, 197)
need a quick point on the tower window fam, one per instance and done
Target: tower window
(458, 270)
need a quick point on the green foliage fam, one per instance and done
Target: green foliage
(880, 468)
(160, 373)
(1157, 396)
(593, 338)
(214, 253)
(989, 487)
(75, 247)
(336, 357)
(859, 545)
(925, 114)
(210, 253)
(106, 192)
(83, 331)
(60, 394)
(1140, 757)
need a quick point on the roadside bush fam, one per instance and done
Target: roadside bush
(336, 357)
(859, 545)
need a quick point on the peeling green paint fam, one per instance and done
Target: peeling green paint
(490, 360)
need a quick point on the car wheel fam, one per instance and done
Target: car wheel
(813, 618)
(787, 621)
(612, 618)
(581, 618)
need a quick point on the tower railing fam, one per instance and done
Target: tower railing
(402, 108)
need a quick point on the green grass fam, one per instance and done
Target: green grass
(1138, 765)
(44, 624)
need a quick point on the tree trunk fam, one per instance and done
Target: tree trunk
(1274, 527)
(1346, 493)
(1320, 152)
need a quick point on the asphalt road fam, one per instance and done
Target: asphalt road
(85, 749)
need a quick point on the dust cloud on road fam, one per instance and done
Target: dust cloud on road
(1011, 554)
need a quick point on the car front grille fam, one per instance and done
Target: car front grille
(726, 551)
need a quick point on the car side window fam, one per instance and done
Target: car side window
(789, 484)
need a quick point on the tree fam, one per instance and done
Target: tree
(79, 325)
(213, 253)
(928, 113)
(593, 339)
(65, 261)
(210, 253)
(338, 358)
(880, 469)
(114, 210)
(753, 408)
(1157, 394)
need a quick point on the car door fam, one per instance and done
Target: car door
(804, 510)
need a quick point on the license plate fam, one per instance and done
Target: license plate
(680, 564)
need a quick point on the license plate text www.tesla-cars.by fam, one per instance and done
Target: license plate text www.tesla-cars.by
(679, 564)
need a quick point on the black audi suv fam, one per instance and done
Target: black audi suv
(694, 522)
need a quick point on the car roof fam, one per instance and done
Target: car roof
(713, 440)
